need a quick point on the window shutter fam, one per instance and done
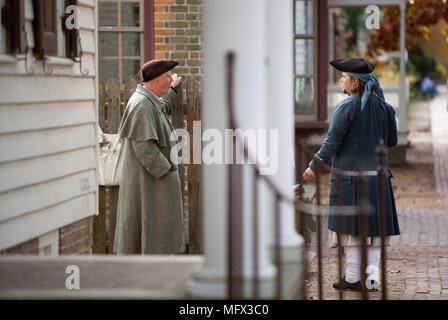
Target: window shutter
(13, 18)
(45, 27)
(72, 35)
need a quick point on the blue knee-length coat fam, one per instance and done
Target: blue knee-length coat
(350, 144)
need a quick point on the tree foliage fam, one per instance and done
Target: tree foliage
(421, 15)
(424, 65)
(352, 27)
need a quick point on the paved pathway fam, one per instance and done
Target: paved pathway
(439, 130)
(424, 241)
(425, 232)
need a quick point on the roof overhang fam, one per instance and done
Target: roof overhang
(357, 3)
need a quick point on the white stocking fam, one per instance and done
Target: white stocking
(372, 271)
(353, 262)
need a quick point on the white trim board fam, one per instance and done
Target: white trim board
(357, 3)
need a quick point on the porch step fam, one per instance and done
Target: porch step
(100, 277)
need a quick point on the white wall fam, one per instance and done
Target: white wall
(47, 137)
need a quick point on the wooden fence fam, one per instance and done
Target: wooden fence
(113, 98)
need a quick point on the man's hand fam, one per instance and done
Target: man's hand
(176, 80)
(308, 174)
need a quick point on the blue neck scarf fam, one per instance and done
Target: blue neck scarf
(370, 82)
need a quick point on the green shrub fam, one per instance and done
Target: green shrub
(423, 64)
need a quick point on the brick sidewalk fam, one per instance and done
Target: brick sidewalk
(439, 130)
(425, 232)
(424, 241)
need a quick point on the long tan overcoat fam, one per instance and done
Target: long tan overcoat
(150, 210)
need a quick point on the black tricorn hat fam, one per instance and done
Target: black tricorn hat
(154, 68)
(357, 65)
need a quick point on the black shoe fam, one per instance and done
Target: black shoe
(344, 285)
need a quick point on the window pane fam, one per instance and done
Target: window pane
(304, 17)
(46, 250)
(109, 44)
(304, 57)
(130, 14)
(108, 14)
(304, 96)
(130, 68)
(131, 44)
(108, 70)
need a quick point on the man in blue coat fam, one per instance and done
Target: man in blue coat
(357, 125)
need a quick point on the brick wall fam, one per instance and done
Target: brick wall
(178, 36)
(29, 247)
(76, 238)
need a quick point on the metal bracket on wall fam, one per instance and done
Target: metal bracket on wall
(81, 53)
(25, 58)
(47, 70)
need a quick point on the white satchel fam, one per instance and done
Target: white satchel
(110, 159)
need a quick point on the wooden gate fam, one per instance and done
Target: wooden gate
(113, 98)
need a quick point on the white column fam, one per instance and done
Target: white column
(403, 99)
(279, 111)
(238, 26)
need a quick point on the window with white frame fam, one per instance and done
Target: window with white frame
(12, 22)
(305, 59)
(49, 244)
(121, 37)
(51, 36)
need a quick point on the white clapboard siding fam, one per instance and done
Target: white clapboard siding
(86, 18)
(19, 174)
(16, 118)
(87, 3)
(48, 138)
(45, 194)
(18, 146)
(87, 41)
(45, 89)
(33, 225)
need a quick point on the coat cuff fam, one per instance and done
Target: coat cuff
(312, 165)
(159, 166)
(316, 161)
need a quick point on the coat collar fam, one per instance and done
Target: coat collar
(156, 101)
(146, 92)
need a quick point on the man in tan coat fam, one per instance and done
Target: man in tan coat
(150, 210)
